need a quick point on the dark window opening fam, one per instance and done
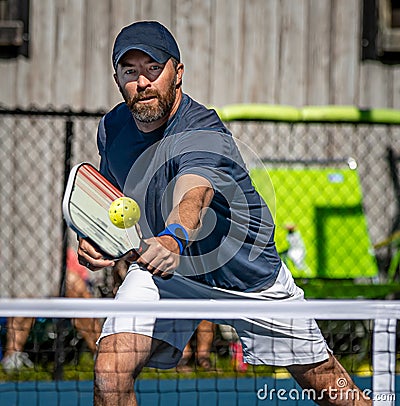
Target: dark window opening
(395, 21)
(381, 31)
(14, 28)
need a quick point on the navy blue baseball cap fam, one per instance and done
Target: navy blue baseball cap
(150, 37)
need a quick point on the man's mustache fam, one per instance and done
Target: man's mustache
(143, 96)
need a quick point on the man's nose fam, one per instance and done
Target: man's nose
(143, 81)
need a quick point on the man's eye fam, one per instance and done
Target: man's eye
(155, 68)
(130, 72)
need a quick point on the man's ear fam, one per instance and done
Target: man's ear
(180, 69)
(116, 79)
(117, 82)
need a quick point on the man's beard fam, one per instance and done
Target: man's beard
(150, 113)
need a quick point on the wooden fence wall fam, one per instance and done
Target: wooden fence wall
(295, 52)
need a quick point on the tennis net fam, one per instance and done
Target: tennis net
(56, 365)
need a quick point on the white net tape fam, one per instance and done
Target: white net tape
(200, 309)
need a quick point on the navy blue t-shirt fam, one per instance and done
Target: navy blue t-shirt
(235, 247)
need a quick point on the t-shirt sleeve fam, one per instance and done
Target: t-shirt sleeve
(209, 154)
(101, 145)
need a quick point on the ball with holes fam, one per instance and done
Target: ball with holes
(124, 212)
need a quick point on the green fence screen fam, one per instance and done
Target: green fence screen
(321, 229)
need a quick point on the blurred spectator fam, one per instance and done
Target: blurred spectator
(77, 286)
(235, 348)
(18, 328)
(200, 347)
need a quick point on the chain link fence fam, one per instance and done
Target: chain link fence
(36, 150)
(367, 197)
(39, 147)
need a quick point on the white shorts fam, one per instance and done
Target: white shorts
(267, 341)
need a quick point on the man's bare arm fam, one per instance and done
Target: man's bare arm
(192, 194)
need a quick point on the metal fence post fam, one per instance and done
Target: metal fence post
(62, 324)
(384, 361)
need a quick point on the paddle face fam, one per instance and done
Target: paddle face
(87, 200)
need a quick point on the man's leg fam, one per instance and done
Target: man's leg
(18, 329)
(205, 337)
(183, 364)
(120, 359)
(89, 328)
(330, 381)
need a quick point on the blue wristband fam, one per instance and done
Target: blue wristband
(179, 234)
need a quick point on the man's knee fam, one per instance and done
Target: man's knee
(107, 384)
(113, 388)
(122, 354)
(113, 374)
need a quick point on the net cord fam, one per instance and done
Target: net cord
(201, 309)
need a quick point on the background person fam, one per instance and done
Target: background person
(199, 347)
(19, 328)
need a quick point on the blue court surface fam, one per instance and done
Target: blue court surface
(177, 392)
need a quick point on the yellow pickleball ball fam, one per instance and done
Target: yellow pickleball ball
(124, 212)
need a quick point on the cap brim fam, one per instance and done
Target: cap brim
(156, 54)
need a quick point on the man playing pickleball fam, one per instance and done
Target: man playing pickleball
(203, 222)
